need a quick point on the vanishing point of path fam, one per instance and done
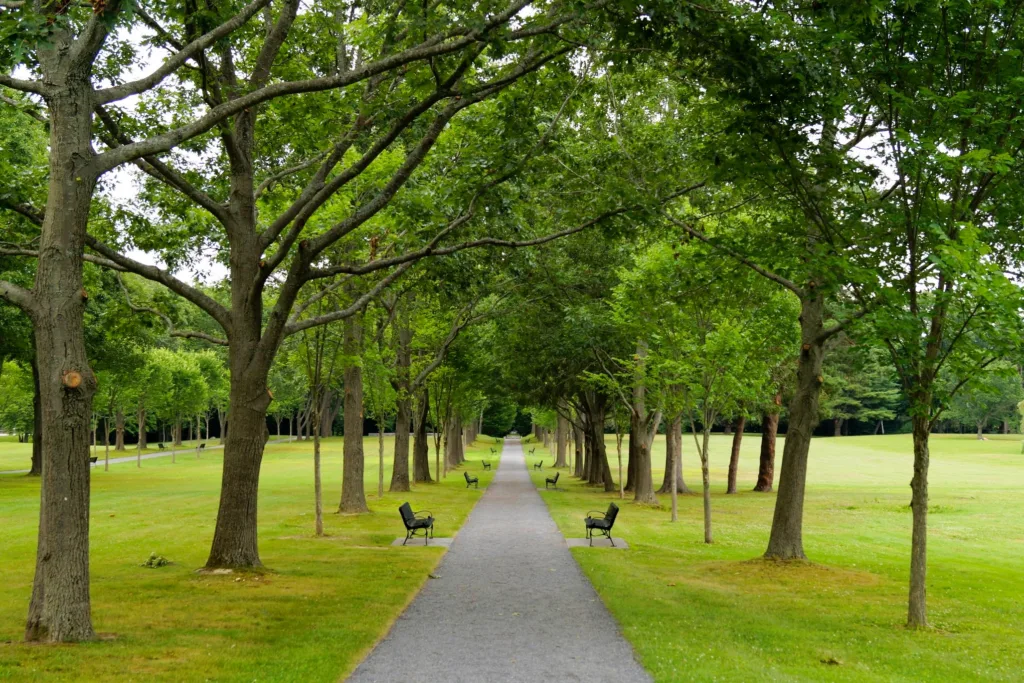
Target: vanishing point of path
(510, 603)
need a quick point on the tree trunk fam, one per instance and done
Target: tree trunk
(837, 426)
(119, 430)
(318, 488)
(421, 443)
(674, 453)
(222, 421)
(353, 493)
(234, 537)
(601, 472)
(60, 610)
(917, 614)
(327, 415)
(786, 540)
(561, 437)
(400, 470)
(140, 416)
(177, 430)
(37, 425)
(106, 444)
(705, 475)
(643, 481)
(766, 465)
(578, 446)
(634, 447)
(981, 435)
(734, 457)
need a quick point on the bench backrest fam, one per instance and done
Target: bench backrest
(406, 512)
(613, 511)
(557, 475)
(466, 475)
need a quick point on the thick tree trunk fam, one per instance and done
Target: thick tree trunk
(353, 493)
(561, 438)
(600, 470)
(786, 540)
(234, 537)
(917, 612)
(400, 470)
(673, 453)
(837, 426)
(37, 425)
(734, 456)
(60, 607)
(119, 430)
(981, 433)
(766, 465)
(643, 480)
(177, 431)
(421, 442)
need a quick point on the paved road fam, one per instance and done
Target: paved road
(511, 604)
(148, 456)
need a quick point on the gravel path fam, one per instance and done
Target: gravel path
(147, 456)
(511, 604)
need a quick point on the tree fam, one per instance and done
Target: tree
(380, 395)
(989, 396)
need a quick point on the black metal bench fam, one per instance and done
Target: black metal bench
(487, 465)
(532, 450)
(415, 522)
(161, 446)
(493, 451)
(93, 459)
(539, 465)
(202, 446)
(471, 480)
(603, 524)
(552, 481)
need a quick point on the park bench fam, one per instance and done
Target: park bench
(493, 451)
(202, 446)
(161, 446)
(539, 465)
(415, 522)
(93, 459)
(602, 524)
(532, 450)
(553, 481)
(487, 465)
(471, 480)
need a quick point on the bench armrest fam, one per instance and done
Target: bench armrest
(595, 512)
(417, 513)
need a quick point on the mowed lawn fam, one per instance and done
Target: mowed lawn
(698, 612)
(324, 603)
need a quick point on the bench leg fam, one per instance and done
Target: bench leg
(406, 537)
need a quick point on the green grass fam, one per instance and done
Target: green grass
(16, 456)
(699, 612)
(323, 605)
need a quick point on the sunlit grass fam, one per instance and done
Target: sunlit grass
(698, 612)
(324, 603)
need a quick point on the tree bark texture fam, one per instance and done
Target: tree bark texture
(734, 456)
(786, 540)
(766, 464)
(917, 613)
(421, 442)
(60, 607)
(578, 445)
(119, 430)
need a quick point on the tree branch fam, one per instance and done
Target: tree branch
(186, 291)
(171, 330)
(19, 296)
(172, 63)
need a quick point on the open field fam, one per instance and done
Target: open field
(698, 612)
(311, 618)
(16, 456)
